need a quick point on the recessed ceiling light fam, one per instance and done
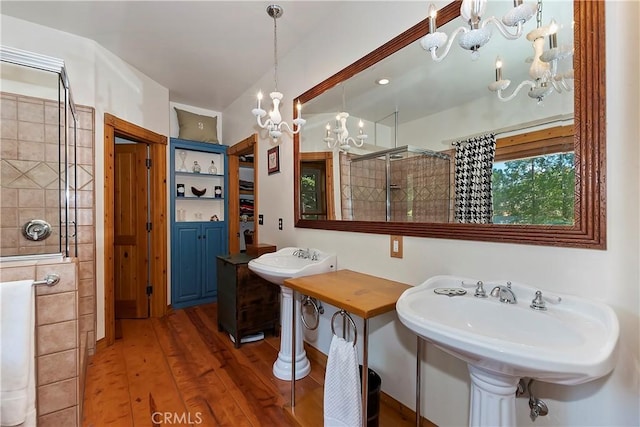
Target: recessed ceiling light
(382, 81)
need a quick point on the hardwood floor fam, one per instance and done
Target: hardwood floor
(180, 370)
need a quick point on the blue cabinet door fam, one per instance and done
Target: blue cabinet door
(186, 270)
(214, 244)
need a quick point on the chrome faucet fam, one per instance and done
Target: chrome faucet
(504, 294)
(303, 253)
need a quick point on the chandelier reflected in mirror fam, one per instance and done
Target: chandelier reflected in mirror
(274, 123)
(340, 138)
(478, 32)
(544, 70)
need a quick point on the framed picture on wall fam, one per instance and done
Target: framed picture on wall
(273, 160)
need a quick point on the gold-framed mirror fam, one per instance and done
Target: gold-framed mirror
(587, 131)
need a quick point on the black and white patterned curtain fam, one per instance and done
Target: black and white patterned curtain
(474, 168)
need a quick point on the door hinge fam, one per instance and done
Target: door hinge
(149, 289)
(147, 162)
(149, 226)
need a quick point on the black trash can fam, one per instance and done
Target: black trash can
(374, 383)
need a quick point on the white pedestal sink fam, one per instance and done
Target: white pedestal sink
(276, 267)
(572, 342)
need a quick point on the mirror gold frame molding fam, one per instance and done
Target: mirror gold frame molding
(589, 229)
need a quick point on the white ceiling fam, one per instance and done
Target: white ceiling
(207, 53)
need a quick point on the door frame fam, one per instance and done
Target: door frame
(248, 145)
(113, 126)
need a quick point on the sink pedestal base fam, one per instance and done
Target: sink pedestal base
(282, 366)
(493, 398)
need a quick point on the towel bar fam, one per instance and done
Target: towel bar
(346, 316)
(49, 280)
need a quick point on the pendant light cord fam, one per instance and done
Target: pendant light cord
(275, 51)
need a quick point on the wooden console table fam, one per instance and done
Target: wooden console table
(357, 293)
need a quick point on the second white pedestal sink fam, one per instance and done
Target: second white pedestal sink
(568, 341)
(276, 267)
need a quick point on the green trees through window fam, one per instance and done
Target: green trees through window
(535, 190)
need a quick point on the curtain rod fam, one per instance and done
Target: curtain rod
(522, 126)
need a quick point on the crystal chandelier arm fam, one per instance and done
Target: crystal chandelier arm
(525, 83)
(447, 47)
(285, 125)
(503, 28)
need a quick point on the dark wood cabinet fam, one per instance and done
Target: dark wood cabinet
(247, 304)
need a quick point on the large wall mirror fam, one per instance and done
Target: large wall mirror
(428, 126)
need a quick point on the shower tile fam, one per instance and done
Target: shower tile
(51, 153)
(85, 217)
(9, 129)
(85, 251)
(30, 198)
(86, 289)
(9, 108)
(86, 270)
(85, 138)
(86, 305)
(85, 156)
(9, 197)
(56, 308)
(28, 150)
(30, 111)
(28, 131)
(85, 234)
(52, 134)
(43, 175)
(57, 337)
(57, 396)
(52, 198)
(9, 238)
(8, 148)
(27, 214)
(85, 179)
(65, 417)
(85, 119)
(84, 199)
(52, 113)
(10, 274)
(8, 173)
(9, 217)
(67, 272)
(57, 367)
(87, 323)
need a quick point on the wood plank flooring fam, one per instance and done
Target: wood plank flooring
(180, 370)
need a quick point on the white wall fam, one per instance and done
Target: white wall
(101, 80)
(611, 276)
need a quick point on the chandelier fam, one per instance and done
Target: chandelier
(274, 123)
(545, 77)
(478, 33)
(341, 138)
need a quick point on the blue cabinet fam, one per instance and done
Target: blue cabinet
(199, 227)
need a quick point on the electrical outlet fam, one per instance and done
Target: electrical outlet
(279, 223)
(260, 219)
(395, 246)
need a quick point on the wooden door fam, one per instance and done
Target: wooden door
(248, 146)
(130, 232)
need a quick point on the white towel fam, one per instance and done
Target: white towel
(17, 353)
(342, 397)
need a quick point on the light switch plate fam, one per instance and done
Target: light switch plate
(395, 247)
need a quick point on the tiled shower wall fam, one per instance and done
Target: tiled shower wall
(61, 353)
(29, 189)
(420, 189)
(28, 157)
